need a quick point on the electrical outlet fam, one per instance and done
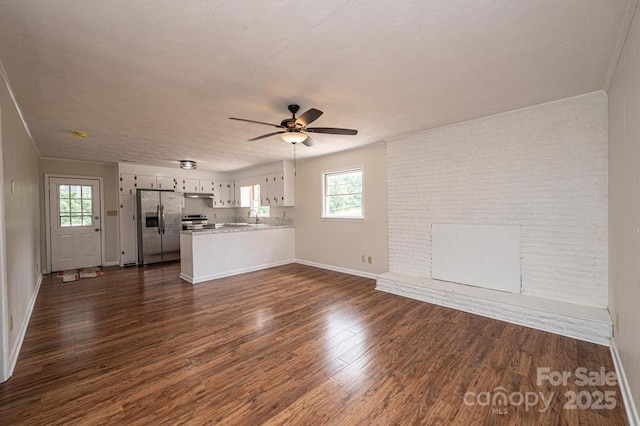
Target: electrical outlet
(363, 258)
(370, 260)
(215, 215)
(284, 215)
(13, 187)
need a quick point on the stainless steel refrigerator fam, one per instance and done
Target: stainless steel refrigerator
(159, 226)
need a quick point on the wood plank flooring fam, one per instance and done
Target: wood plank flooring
(287, 345)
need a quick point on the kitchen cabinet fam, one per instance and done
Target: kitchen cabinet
(164, 182)
(224, 195)
(207, 186)
(207, 256)
(146, 182)
(128, 230)
(127, 184)
(272, 190)
(130, 182)
(199, 186)
(276, 189)
(191, 185)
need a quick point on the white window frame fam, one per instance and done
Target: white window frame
(254, 204)
(327, 173)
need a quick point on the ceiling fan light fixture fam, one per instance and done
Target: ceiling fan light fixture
(294, 137)
(188, 164)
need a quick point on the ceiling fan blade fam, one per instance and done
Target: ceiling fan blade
(308, 141)
(308, 117)
(253, 121)
(265, 136)
(332, 130)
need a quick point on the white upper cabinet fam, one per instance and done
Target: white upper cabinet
(127, 184)
(223, 194)
(146, 182)
(166, 183)
(208, 186)
(200, 186)
(277, 189)
(191, 185)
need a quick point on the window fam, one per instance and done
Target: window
(250, 197)
(343, 194)
(75, 205)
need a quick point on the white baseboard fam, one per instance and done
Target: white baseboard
(338, 269)
(112, 263)
(630, 407)
(13, 356)
(200, 279)
(586, 323)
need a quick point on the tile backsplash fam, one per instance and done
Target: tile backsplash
(279, 215)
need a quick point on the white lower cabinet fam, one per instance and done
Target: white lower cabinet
(206, 256)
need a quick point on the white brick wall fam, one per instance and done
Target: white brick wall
(542, 167)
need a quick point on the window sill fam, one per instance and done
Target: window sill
(344, 218)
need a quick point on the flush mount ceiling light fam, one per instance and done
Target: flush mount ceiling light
(187, 164)
(79, 134)
(294, 137)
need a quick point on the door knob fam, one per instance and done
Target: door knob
(97, 229)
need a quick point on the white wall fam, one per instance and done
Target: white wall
(542, 167)
(109, 175)
(21, 226)
(624, 207)
(340, 243)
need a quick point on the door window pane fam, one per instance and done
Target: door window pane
(75, 205)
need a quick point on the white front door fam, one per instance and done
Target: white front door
(74, 212)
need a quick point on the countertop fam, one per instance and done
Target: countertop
(235, 228)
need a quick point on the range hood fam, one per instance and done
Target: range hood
(198, 195)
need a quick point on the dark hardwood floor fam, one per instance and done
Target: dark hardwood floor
(288, 345)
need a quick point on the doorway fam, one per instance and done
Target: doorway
(74, 222)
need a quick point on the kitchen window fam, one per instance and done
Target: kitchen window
(250, 197)
(343, 194)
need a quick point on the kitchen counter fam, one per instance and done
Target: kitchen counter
(235, 228)
(207, 254)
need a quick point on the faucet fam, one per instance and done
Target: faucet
(249, 215)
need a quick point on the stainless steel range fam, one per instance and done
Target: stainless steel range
(194, 221)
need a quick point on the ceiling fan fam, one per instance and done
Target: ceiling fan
(294, 130)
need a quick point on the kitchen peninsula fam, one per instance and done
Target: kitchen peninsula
(232, 249)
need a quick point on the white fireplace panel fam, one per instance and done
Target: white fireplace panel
(481, 255)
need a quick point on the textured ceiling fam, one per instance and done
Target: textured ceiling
(155, 81)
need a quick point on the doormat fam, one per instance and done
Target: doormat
(78, 274)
